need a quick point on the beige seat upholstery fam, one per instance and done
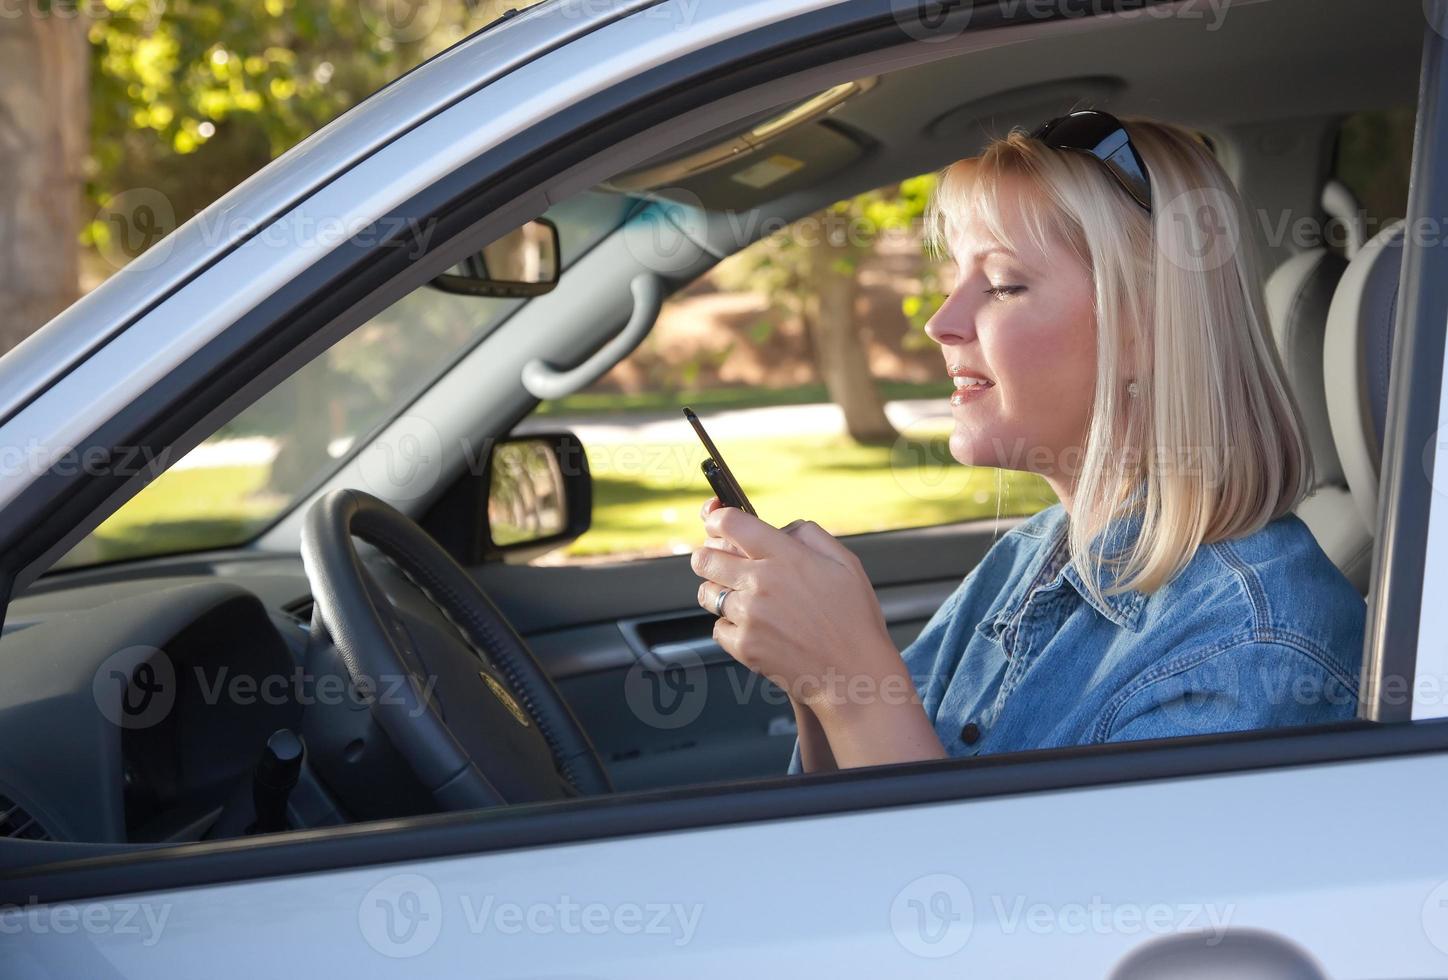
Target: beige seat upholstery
(1357, 356)
(1299, 294)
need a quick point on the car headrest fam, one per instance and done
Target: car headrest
(1357, 357)
(1341, 204)
(1298, 294)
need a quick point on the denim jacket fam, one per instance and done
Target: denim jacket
(1254, 632)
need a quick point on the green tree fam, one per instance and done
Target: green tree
(809, 270)
(190, 97)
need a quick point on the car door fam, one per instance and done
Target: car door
(1233, 853)
(633, 652)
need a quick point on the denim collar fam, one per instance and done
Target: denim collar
(1122, 608)
(1049, 567)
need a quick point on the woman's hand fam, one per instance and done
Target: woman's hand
(814, 747)
(801, 610)
(804, 614)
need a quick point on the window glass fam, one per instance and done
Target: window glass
(253, 469)
(1373, 155)
(805, 357)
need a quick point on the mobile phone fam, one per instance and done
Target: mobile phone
(716, 471)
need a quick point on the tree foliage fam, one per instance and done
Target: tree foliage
(778, 265)
(190, 97)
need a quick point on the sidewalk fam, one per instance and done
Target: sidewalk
(822, 419)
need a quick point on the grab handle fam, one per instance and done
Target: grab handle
(544, 382)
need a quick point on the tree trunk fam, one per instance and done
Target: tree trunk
(44, 120)
(840, 352)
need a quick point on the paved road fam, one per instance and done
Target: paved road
(780, 420)
(630, 427)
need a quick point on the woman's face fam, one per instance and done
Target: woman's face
(1019, 331)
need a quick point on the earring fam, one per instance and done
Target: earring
(1132, 389)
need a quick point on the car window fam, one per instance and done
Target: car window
(805, 357)
(1373, 153)
(255, 467)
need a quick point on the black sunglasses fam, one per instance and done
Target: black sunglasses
(1101, 135)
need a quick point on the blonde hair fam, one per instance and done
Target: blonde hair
(1178, 295)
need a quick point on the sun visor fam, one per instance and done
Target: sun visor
(741, 166)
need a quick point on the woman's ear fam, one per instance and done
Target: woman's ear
(1128, 365)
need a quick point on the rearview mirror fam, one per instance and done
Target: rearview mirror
(524, 262)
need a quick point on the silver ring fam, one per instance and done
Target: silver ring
(719, 602)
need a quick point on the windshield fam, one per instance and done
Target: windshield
(260, 464)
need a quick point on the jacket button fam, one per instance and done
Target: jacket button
(970, 734)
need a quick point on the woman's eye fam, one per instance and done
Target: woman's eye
(1000, 292)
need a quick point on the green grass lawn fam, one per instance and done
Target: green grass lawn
(185, 510)
(646, 495)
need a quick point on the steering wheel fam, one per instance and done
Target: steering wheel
(509, 735)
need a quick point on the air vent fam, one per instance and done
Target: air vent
(17, 824)
(300, 610)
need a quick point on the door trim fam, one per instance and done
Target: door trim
(718, 805)
(1394, 650)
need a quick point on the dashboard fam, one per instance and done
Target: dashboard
(139, 700)
(139, 696)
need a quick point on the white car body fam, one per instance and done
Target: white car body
(1297, 855)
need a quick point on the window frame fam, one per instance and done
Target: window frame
(1394, 647)
(824, 39)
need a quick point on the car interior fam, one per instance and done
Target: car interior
(552, 680)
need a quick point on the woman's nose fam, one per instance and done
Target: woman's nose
(950, 325)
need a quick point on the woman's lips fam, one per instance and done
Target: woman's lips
(969, 388)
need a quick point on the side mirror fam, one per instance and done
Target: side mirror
(540, 495)
(524, 262)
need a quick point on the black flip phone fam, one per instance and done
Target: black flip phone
(716, 471)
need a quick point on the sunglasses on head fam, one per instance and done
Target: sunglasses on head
(1101, 135)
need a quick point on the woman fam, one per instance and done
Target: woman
(1106, 330)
